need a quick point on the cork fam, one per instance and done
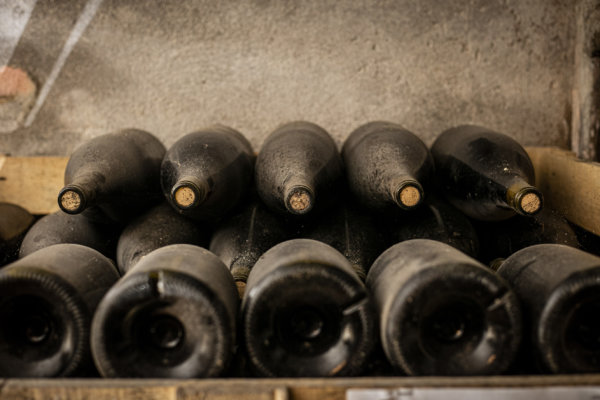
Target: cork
(185, 196)
(70, 200)
(410, 196)
(530, 203)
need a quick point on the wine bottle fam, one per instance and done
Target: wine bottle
(241, 239)
(15, 221)
(60, 227)
(298, 167)
(436, 220)
(502, 238)
(47, 300)
(305, 312)
(173, 315)
(386, 166)
(206, 173)
(485, 174)
(113, 176)
(158, 227)
(352, 232)
(442, 312)
(559, 288)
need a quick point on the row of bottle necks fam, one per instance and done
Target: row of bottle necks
(305, 309)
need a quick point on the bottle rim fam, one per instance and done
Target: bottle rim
(131, 307)
(461, 284)
(67, 306)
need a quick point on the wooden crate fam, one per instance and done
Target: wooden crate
(569, 185)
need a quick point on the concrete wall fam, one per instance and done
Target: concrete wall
(172, 66)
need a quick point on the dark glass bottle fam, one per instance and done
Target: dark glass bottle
(15, 221)
(559, 288)
(436, 220)
(60, 227)
(352, 232)
(241, 239)
(485, 174)
(305, 312)
(47, 300)
(298, 168)
(442, 312)
(158, 227)
(173, 315)
(502, 238)
(206, 173)
(114, 176)
(386, 166)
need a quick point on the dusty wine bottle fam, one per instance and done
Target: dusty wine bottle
(241, 239)
(485, 174)
(15, 221)
(305, 312)
(114, 176)
(206, 173)
(158, 227)
(352, 232)
(436, 220)
(559, 288)
(442, 312)
(386, 165)
(60, 227)
(502, 238)
(298, 167)
(173, 315)
(46, 304)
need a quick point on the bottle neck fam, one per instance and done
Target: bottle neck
(299, 195)
(406, 192)
(78, 195)
(524, 198)
(189, 192)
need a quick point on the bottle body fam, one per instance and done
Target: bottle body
(485, 174)
(386, 166)
(47, 300)
(559, 289)
(173, 315)
(60, 227)
(502, 238)
(158, 227)
(442, 312)
(15, 221)
(352, 232)
(206, 173)
(436, 220)
(305, 312)
(241, 239)
(113, 176)
(298, 167)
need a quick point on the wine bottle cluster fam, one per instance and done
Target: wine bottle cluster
(206, 259)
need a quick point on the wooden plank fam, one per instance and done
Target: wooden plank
(569, 185)
(32, 182)
(262, 389)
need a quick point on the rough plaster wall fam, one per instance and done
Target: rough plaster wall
(171, 67)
